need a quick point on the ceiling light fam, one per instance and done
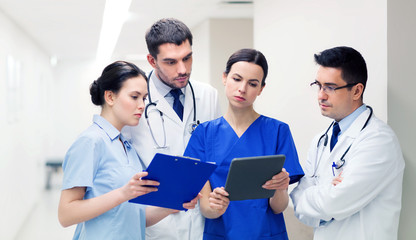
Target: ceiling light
(53, 61)
(238, 2)
(115, 13)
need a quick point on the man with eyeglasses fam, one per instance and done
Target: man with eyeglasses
(352, 186)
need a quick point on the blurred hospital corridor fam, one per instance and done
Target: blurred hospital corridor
(42, 222)
(50, 55)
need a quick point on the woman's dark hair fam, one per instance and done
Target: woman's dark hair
(251, 56)
(112, 79)
(167, 30)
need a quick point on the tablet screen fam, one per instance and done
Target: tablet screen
(247, 175)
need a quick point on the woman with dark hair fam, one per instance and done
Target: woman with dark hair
(102, 171)
(242, 132)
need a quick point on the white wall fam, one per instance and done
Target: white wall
(290, 32)
(26, 84)
(402, 101)
(215, 40)
(72, 111)
(201, 52)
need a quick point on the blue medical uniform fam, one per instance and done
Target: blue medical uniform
(98, 161)
(216, 141)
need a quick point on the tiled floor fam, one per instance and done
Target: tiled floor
(43, 223)
(295, 229)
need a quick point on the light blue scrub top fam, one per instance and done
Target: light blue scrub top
(98, 161)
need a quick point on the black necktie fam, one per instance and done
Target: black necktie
(177, 105)
(334, 137)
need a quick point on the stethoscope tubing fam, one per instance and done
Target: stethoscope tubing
(150, 103)
(193, 125)
(325, 136)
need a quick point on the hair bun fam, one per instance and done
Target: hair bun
(95, 93)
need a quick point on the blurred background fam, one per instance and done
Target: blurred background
(51, 51)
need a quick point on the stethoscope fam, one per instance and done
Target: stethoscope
(340, 163)
(192, 125)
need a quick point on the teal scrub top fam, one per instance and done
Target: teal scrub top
(97, 160)
(216, 141)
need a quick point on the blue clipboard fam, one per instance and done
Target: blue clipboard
(180, 178)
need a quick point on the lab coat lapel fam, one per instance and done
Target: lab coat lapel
(352, 132)
(357, 125)
(163, 105)
(344, 141)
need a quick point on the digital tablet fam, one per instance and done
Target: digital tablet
(247, 175)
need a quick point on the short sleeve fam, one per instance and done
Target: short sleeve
(196, 145)
(286, 146)
(80, 163)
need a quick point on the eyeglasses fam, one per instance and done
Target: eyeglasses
(329, 89)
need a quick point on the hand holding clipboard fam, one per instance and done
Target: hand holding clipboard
(180, 178)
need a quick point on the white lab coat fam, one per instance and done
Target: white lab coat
(182, 225)
(366, 204)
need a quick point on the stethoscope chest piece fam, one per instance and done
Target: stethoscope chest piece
(193, 126)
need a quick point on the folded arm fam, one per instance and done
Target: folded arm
(371, 167)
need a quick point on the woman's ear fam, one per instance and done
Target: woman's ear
(261, 90)
(224, 78)
(109, 97)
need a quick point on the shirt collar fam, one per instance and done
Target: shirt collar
(108, 128)
(345, 123)
(162, 88)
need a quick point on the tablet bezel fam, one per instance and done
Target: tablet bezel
(247, 175)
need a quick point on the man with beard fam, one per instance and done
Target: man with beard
(174, 107)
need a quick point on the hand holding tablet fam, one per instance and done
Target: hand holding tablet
(247, 176)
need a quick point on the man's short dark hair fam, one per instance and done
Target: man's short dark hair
(167, 30)
(348, 60)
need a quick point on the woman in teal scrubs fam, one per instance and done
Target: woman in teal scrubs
(242, 132)
(101, 169)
